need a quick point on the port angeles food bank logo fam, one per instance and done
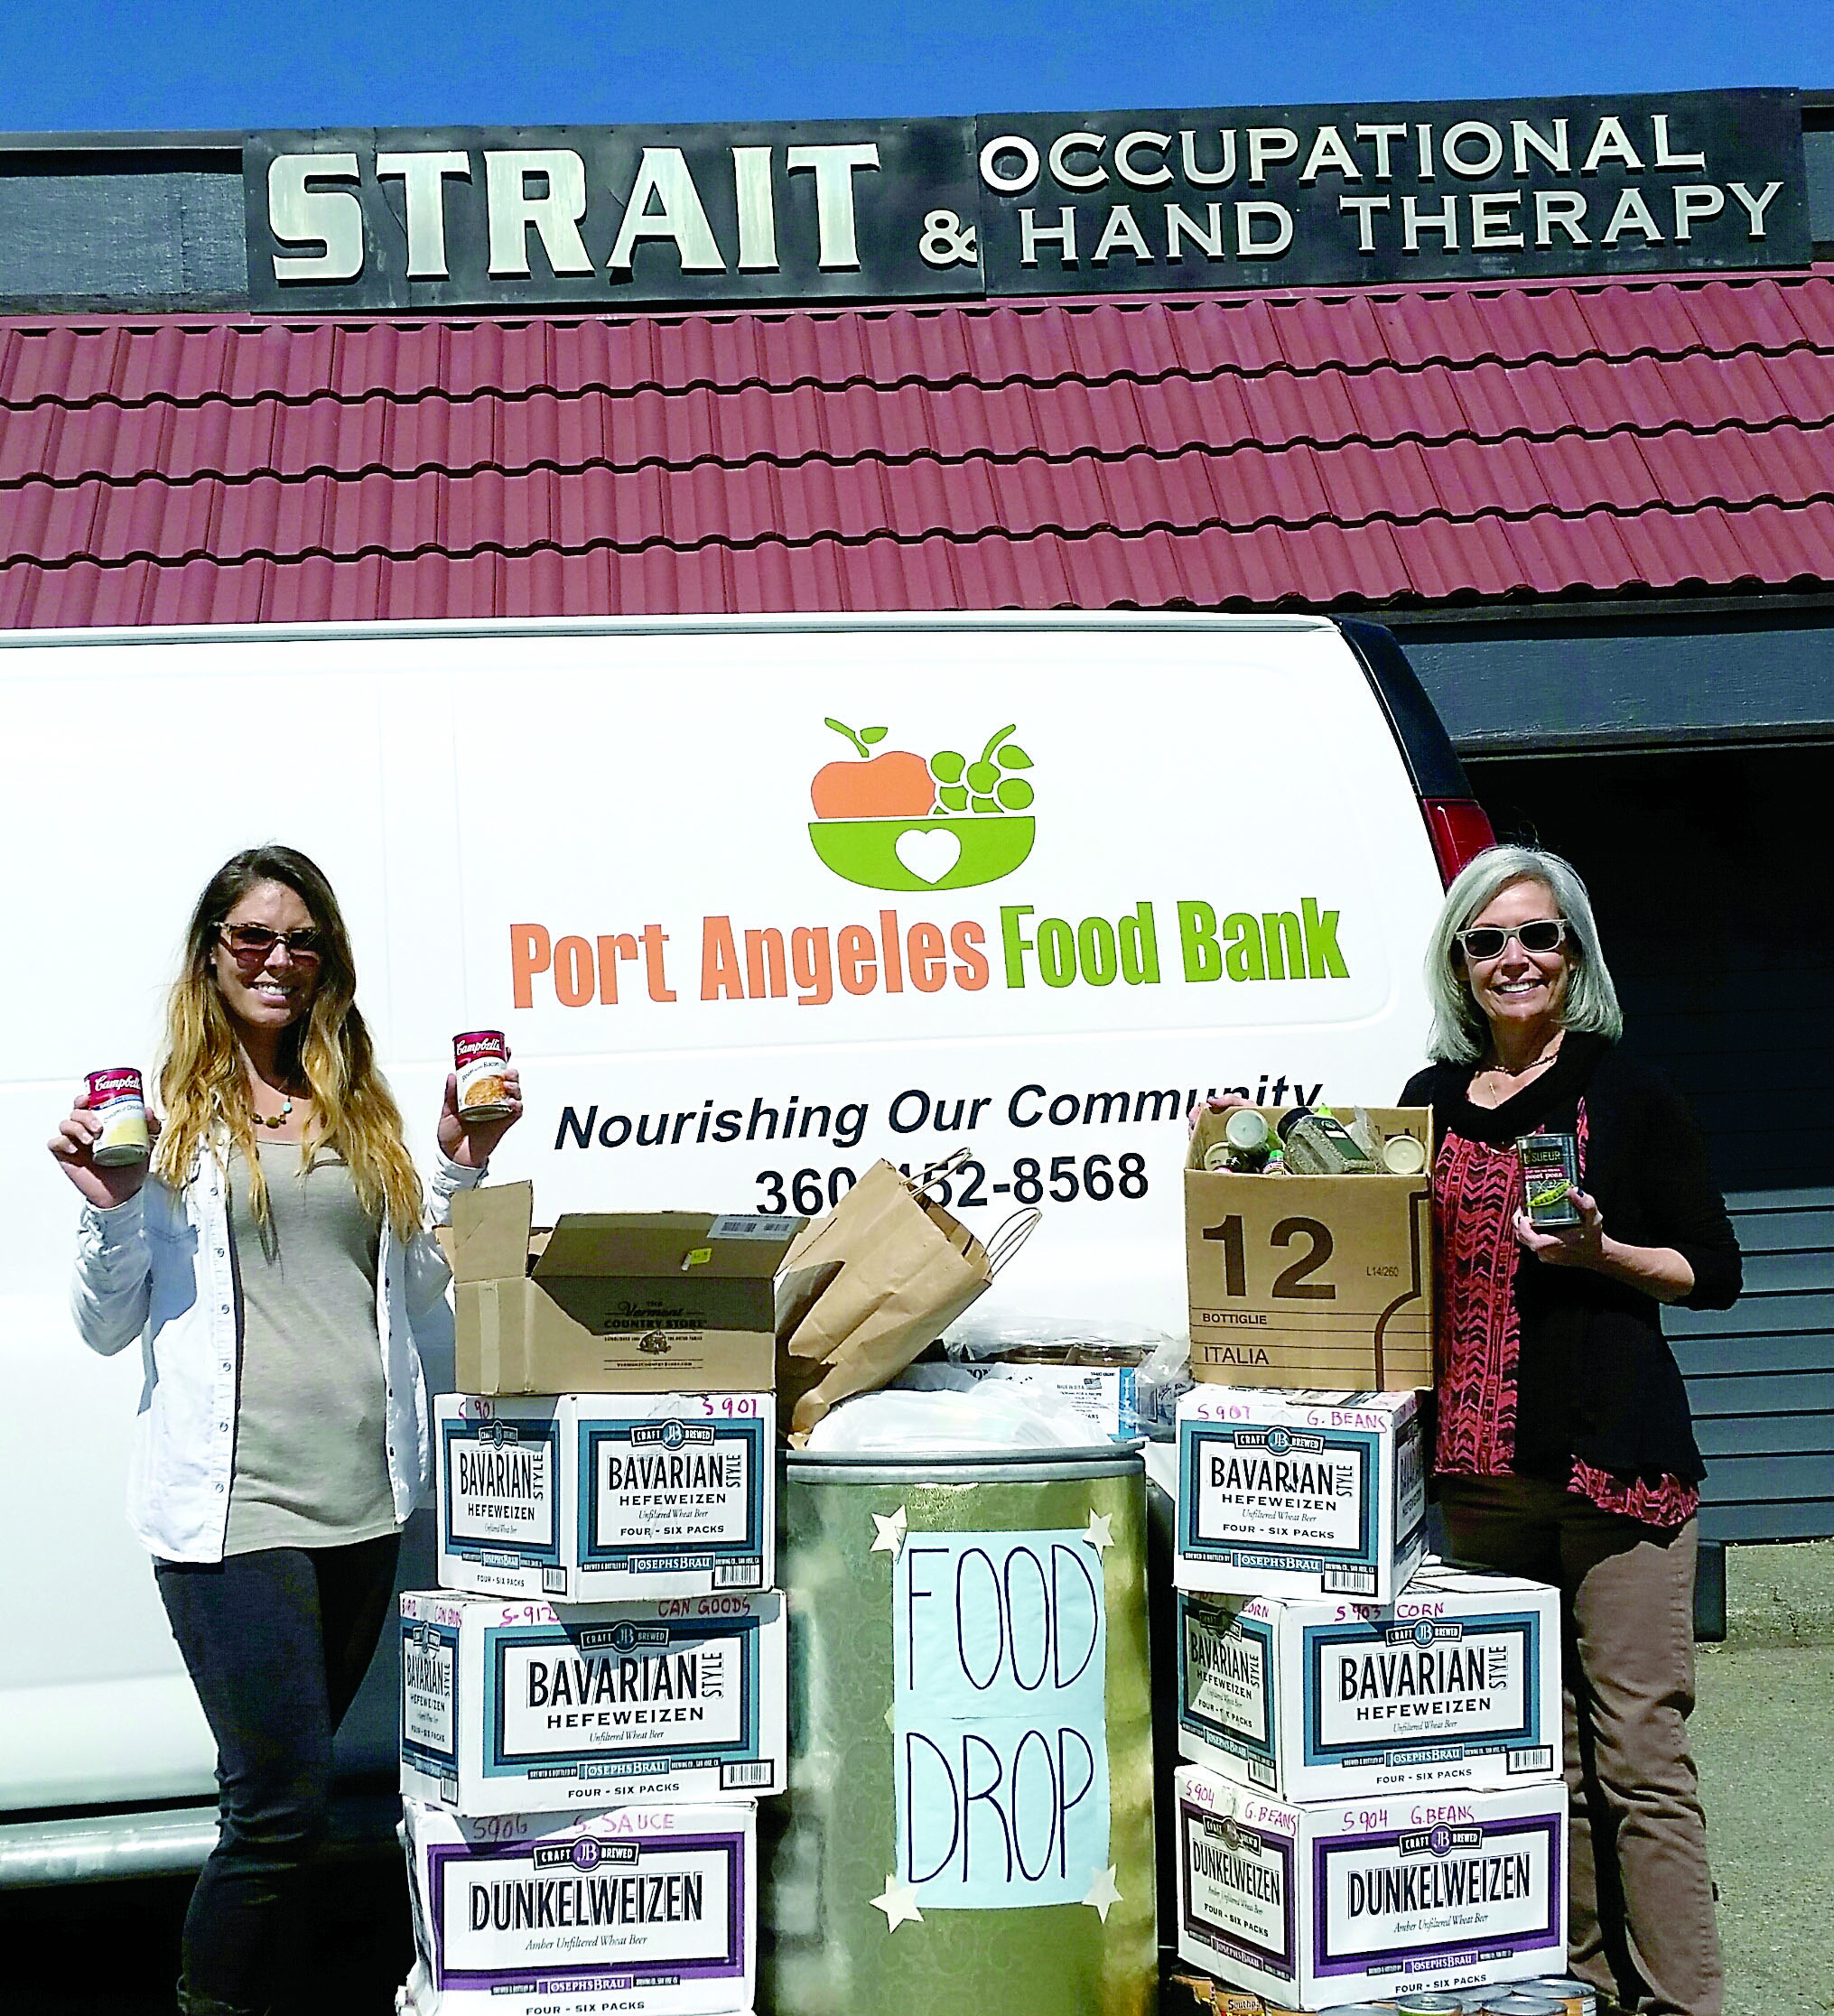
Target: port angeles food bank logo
(896, 819)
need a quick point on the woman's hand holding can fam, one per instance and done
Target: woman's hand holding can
(73, 1148)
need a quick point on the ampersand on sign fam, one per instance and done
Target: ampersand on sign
(946, 241)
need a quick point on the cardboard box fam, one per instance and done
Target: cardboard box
(521, 1708)
(1299, 1493)
(588, 1499)
(620, 1302)
(1457, 1681)
(1339, 1902)
(645, 1908)
(1310, 1281)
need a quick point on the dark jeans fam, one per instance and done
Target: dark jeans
(276, 1644)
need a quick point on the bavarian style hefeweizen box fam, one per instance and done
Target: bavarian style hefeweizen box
(1339, 1901)
(1457, 1681)
(645, 1908)
(627, 1301)
(1309, 1281)
(517, 1707)
(1299, 1493)
(585, 1498)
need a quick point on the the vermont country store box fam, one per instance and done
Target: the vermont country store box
(1314, 1281)
(1338, 1902)
(518, 1707)
(638, 1301)
(1299, 1493)
(593, 1497)
(1457, 1681)
(651, 1909)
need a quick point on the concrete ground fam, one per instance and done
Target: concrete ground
(1764, 1740)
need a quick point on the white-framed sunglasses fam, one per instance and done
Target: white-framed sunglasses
(1486, 941)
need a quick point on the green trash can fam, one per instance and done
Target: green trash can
(969, 1822)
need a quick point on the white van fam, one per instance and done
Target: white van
(756, 901)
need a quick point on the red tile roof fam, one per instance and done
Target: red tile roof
(1410, 445)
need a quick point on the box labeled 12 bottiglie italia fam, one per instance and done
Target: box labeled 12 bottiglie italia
(521, 1708)
(1343, 1901)
(639, 1908)
(1299, 1493)
(1457, 1681)
(594, 1497)
(1311, 1280)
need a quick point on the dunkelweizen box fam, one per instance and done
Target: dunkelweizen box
(1299, 1493)
(517, 1707)
(640, 1302)
(1339, 1901)
(645, 1908)
(1457, 1681)
(585, 1497)
(1311, 1281)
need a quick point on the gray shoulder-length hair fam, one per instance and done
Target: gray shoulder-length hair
(1458, 1025)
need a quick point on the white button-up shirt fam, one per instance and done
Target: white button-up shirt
(158, 1268)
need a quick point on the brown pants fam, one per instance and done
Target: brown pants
(1641, 1901)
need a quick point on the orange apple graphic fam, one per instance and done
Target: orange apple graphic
(894, 785)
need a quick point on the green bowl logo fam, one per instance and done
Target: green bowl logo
(894, 821)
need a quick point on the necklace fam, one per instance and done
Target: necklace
(1534, 1063)
(279, 1118)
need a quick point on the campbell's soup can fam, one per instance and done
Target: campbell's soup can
(480, 1058)
(119, 1102)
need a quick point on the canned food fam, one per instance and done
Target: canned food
(1550, 1176)
(117, 1101)
(1568, 1992)
(1403, 1156)
(1516, 2003)
(482, 1057)
(1436, 2003)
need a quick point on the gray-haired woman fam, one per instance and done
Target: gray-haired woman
(1565, 1449)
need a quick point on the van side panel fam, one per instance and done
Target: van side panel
(715, 882)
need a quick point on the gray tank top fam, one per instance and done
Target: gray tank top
(312, 1466)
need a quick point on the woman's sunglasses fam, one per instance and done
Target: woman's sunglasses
(251, 945)
(1486, 941)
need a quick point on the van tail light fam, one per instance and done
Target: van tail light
(1460, 831)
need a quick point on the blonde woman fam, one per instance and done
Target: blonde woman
(273, 1264)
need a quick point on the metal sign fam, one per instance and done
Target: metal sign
(1112, 203)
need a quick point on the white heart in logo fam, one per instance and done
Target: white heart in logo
(928, 854)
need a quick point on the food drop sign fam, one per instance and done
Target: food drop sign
(999, 1714)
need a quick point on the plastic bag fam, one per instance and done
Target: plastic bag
(981, 1417)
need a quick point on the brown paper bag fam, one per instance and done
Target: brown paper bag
(867, 1288)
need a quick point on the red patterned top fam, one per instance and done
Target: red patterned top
(1477, 1192)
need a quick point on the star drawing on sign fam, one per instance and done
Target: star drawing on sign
(899, 1903)
(1103, 1892)
(887, 1532)
(1097, 1532)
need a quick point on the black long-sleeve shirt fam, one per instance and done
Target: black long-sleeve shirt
(1596, 1378)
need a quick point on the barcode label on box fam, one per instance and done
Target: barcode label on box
(1350, 1581)
(1541, 1759)
(553, 1581)
(739, 1574)
(753, 1228)
(746, 1777)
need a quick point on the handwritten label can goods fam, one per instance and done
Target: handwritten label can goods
(117, 1101)
(482, 1057)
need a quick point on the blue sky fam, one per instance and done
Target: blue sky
(123, 65)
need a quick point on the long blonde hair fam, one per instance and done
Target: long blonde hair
(204, 1086)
